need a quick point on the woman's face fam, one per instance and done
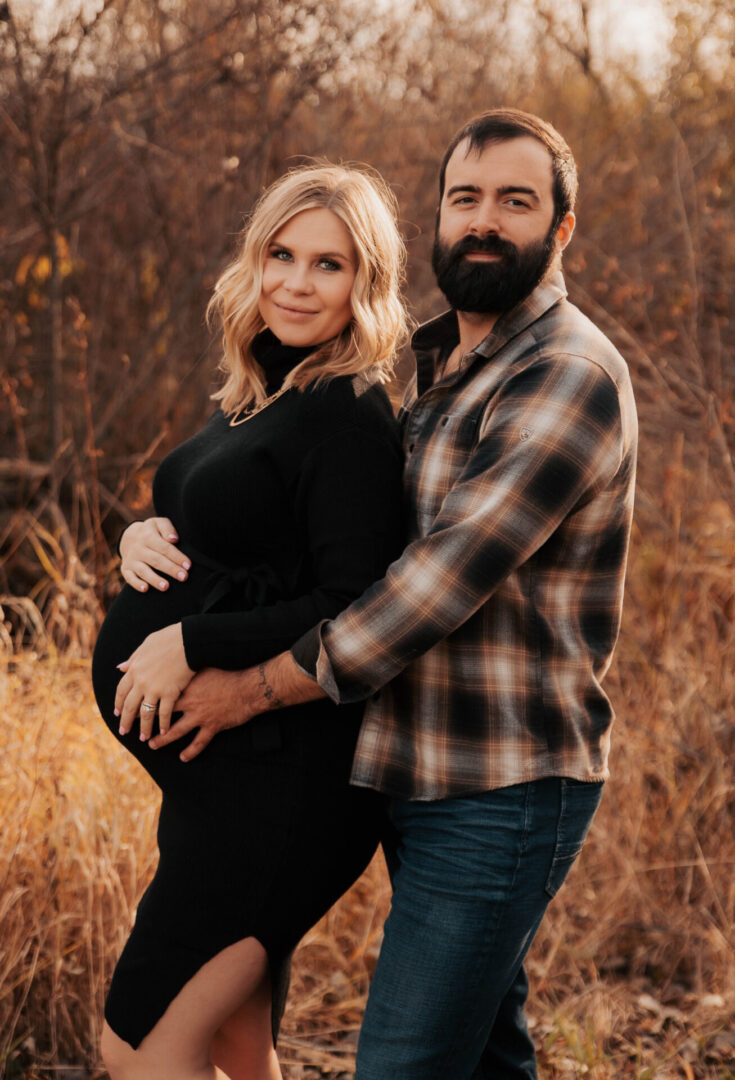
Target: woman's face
(308, 271)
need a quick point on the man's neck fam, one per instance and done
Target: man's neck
(474, 326)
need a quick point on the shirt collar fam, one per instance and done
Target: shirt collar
(438, 333)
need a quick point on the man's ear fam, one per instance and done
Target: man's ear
(565, 230)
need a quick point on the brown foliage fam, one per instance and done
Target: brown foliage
(134, 141)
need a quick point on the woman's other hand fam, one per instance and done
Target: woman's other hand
(155, 676)
(147, 550)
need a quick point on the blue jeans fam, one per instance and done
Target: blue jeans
(472, 879)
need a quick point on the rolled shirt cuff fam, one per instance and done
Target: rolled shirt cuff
(311, 655)
(306, 651)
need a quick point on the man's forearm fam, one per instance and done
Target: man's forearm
(279, 682)
(215, 700)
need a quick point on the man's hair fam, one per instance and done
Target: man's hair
(501, 125)
(378, 327)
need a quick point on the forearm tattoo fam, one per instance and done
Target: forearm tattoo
(274, 702)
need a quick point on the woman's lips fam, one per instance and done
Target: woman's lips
(295, 312)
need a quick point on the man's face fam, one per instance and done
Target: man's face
(494, 239)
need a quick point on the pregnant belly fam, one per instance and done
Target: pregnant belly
(132, 616)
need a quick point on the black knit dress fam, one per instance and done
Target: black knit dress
(286, 518)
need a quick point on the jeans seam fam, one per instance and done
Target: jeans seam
(551, 893)
(565, 789)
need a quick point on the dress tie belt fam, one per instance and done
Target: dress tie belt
(250, 587)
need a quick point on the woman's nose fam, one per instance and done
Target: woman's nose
(299, 280)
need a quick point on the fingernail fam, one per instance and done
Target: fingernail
(121, 730)
(143, 736)
(144, 588)
(162, 584)
(181, 575)
(187, 565)
(116, 712)
(172, 536)
(119, 666)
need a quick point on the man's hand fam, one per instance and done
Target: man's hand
(215, 700)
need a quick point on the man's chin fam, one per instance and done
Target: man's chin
(480, 313)
(486, 304)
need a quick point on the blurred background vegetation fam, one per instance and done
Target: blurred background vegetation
(135, 136)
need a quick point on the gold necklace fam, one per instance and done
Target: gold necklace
(250, 413)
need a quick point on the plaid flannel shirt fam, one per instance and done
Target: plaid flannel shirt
(483, 647)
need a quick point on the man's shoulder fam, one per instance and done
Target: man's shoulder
(565, 330)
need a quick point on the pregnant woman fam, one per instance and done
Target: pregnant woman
(286, 505)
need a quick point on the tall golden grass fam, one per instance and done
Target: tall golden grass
(632, 972)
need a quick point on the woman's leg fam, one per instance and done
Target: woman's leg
(243, 1046)
(201, 1022)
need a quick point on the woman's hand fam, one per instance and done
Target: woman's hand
(147, 550)
(155, 675)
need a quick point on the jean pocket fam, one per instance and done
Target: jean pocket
(578, 802)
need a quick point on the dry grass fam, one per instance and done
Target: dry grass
(632, 972)
(77, 849)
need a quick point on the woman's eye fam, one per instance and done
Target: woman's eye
(329, 264)
(280, 254)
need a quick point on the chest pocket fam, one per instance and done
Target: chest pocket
(435, 466)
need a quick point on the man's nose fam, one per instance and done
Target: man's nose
(485, 219)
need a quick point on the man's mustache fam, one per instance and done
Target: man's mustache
(486, 245)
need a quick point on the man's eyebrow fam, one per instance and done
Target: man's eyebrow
(518, 189)
(463, 187)
(506, 189)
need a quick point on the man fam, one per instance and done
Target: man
(482, 649)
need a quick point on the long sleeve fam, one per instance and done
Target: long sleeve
(347, 506)
(550, 442)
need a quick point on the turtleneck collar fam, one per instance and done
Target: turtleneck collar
(277, 359)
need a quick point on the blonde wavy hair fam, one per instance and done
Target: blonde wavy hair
(379, 324)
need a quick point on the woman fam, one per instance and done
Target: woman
(286, 505)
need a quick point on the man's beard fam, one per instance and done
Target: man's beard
(490, 287)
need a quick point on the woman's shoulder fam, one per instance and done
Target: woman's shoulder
(349, 401)
(347, 436)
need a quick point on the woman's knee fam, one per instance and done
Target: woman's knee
(118, 1056)
(243, 1045)
(181, 1040)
